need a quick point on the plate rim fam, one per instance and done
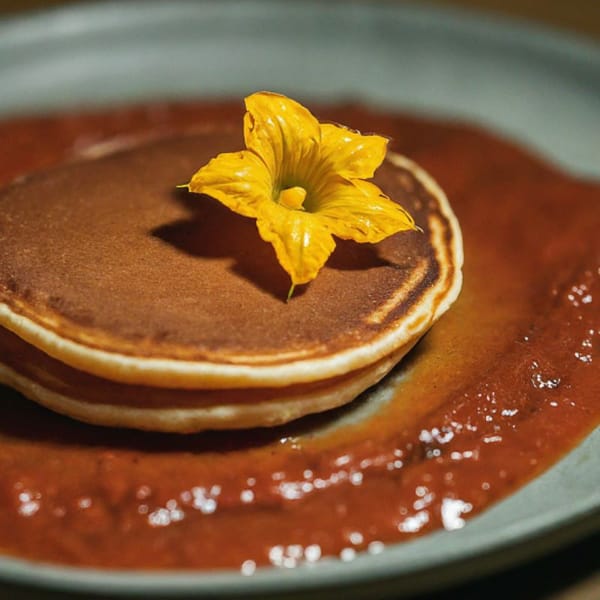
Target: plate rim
(79, 18)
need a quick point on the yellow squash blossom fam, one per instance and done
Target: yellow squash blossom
(303, 182)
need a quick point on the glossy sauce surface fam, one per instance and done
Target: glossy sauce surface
(499, 389)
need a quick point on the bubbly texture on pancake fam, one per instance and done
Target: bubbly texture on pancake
(108, 268)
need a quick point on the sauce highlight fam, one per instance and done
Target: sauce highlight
(502, 386)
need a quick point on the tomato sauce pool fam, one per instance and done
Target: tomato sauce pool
(499, 389)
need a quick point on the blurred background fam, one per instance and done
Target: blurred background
(580, 16)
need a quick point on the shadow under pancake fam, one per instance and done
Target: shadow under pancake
(213, 231)
(25, 420)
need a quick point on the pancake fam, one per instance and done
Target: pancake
(103, 402)
(118, 277)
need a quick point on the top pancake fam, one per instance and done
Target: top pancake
(108, 268)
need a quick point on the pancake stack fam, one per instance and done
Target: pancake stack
(127, 302)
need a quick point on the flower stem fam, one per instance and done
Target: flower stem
(289, 296)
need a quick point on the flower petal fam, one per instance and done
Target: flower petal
(360, 211)
(301, 243)
(284, 134)
(350, 153)
(239, 180)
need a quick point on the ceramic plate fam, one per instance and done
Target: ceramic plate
(539, 87)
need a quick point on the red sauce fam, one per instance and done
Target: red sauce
(503, 385)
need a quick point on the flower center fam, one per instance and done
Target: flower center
(292, 197)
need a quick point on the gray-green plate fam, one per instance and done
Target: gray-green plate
(537, 86)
